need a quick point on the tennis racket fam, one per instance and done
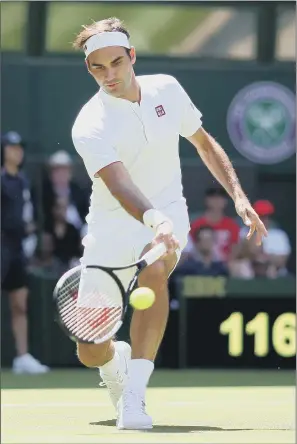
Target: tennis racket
(90, 302)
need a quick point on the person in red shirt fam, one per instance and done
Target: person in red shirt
(227, 230)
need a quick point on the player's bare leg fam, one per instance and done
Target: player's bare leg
(112, 360)
(147, 331)
(95, 355)
(148, 326)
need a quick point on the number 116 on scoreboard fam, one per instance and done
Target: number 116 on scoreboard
(282, 334)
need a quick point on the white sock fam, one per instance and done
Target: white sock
(139, 371)
(111, 368)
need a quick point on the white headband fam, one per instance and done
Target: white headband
(104, 39)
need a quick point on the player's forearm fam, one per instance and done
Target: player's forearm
(132, 200)
(218, 164)
(138, 206)
(118, 181)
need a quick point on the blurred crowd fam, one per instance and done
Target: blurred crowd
(41, 231)
(53, 217)
(42, 227)
(218, 244)
(54, 225)
(62, 212)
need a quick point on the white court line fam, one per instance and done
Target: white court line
(54, 404)
(105, 404)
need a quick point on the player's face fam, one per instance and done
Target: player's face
(112, 68)
(14, 154)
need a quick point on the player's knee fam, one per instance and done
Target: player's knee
(154, 276)
(92, 355)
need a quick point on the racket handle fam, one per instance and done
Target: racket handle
(154, 254)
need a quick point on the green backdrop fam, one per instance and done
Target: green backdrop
(41, 97)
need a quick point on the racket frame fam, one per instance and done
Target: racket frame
(149, 258)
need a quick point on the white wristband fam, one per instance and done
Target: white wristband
(153, 218)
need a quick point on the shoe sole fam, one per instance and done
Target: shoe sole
(144, 427)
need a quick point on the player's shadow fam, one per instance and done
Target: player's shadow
(165, 428)
(180, 429)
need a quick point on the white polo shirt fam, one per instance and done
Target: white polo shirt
(144, 137)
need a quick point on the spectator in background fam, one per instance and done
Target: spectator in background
(66, 237)
(59, 184)
(203, 260)
(261, 267)
(14, 191)
(244, 255)
(44, 260)
(226, 229)
(276, 246)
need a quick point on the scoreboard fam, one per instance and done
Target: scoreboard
(245, 332)
(237, 332)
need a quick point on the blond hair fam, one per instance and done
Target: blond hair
(111, 24)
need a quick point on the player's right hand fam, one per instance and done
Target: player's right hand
(164, 234)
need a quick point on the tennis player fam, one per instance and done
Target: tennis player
(128, 137)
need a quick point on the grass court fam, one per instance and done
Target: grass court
(192, 406)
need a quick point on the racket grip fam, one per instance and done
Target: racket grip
(154, 254)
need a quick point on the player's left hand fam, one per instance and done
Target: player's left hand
(164, 234)
(251, 220)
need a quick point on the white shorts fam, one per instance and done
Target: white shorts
(119, 239)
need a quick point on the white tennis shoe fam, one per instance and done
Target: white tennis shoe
(131, 412)
(28, 364)
(116, 386)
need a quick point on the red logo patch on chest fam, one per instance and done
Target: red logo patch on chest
(160, 111)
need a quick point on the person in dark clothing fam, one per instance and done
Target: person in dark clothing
(203, 261)
(58, 183)
(66, 237)
(44, 261)
(14, 192)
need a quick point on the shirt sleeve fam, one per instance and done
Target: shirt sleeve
(190, 115)
(95, 152)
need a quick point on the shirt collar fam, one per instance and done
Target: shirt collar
(117, 101)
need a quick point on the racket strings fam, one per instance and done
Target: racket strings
(90, 304)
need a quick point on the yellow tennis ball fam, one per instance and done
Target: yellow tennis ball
(142, 298)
